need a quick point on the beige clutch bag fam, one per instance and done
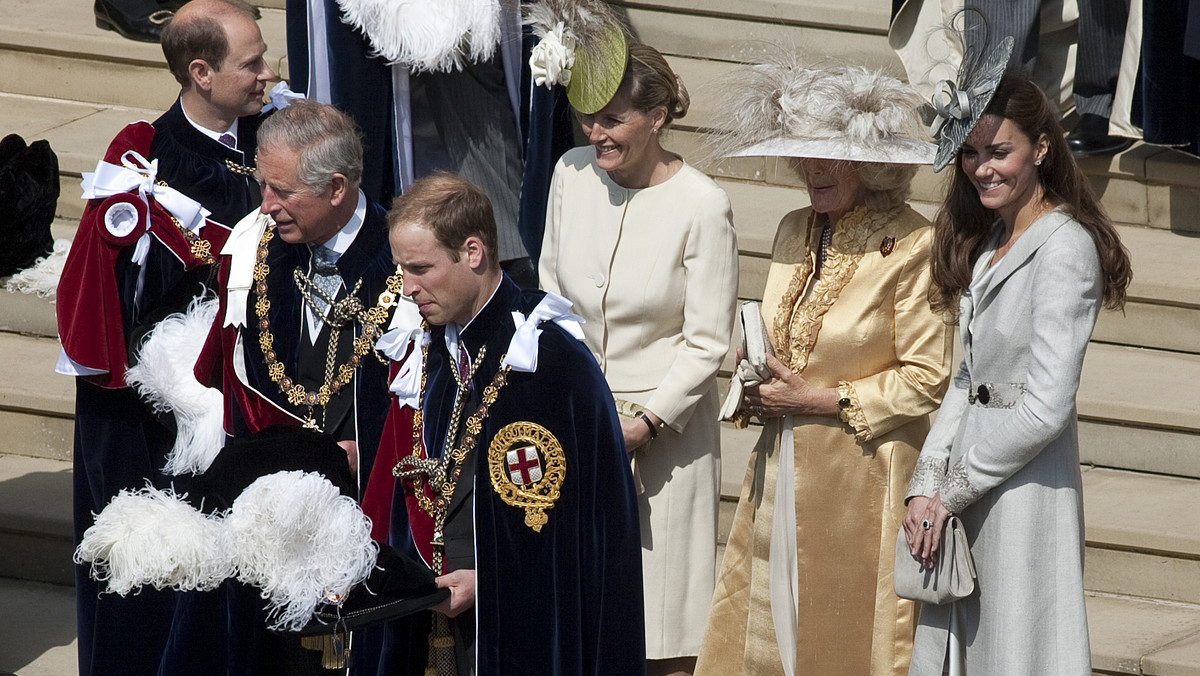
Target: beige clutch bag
(752, 369)
(950, 579)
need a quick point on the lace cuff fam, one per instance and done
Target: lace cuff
(957, 491)
(852, 414)
(926, 476)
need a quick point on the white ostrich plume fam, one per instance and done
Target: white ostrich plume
(298, 539)
(427, 35)
(164, 378)
(153, 537)
(42, 277)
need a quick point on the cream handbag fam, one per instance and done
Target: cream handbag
(752, 369)
(952, 576)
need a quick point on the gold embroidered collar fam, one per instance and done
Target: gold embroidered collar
(797, 322)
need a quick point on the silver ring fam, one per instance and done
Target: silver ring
(926, 525)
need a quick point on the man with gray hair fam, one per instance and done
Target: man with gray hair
(306, 286)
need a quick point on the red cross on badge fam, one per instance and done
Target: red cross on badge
(524, 465)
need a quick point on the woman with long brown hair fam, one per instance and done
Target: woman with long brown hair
(1025, 256)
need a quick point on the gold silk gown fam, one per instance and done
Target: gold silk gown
(865, 328)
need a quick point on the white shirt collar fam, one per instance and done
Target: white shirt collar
(453, 331)
(214, 135)
(345, 237)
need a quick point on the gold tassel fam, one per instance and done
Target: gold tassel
(332, 647)
(441, 648)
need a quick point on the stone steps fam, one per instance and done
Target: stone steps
(63, 79)
(1143, 637)
(35, 519)
(38, 630)
(37, 405)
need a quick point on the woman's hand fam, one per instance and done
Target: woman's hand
(637, 432)
(923, 527)
(785, 393)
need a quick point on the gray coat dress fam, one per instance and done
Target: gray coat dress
(1007, 461)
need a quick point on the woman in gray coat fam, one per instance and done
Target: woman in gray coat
(1025, 255)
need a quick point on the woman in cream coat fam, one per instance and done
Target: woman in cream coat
(644, 246)
(862, 360)
(1027, 256)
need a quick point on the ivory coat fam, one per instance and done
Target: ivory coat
(1012, 474)
(654, 273)
(867, 329)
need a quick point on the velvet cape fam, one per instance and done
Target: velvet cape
(118, 442)
(568, 599)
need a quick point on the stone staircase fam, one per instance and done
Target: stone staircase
(64, 80)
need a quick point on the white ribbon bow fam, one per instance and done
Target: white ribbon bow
(407, 383)
(281, 96)
(242, 249)
(138, 173)
(523, 349)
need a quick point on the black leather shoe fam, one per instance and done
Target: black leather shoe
(140, 20)
(397, 587)
(1090, 138)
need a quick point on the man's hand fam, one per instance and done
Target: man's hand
(461, 584)
(351, 448)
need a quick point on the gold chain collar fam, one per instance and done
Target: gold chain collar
(201, 248)
(296, 394)
(442, 473)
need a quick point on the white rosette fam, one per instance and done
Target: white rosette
(553, 57)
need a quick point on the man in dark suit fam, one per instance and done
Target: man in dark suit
(118, 283)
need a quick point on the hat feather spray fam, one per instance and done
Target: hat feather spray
(782, 108)
(164, 378)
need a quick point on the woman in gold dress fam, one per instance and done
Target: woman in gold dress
(862, 360)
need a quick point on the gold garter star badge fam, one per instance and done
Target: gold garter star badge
(527, 467)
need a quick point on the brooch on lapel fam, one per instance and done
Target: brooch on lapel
(887, 245)
(527, 467)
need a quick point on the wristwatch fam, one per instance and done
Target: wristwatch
(649, 423)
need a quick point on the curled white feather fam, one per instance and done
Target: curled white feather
(152, 537)
(42, 277)
(427, 35)
(295, 537)
(164, 377)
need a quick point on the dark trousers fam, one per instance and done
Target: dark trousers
(1101, 37)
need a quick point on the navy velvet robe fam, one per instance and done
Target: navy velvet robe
(118, 442)
(566, 600)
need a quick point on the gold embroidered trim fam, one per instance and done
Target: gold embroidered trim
(797, 324)
(853, 414)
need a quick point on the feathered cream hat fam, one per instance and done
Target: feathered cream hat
(784, 109)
